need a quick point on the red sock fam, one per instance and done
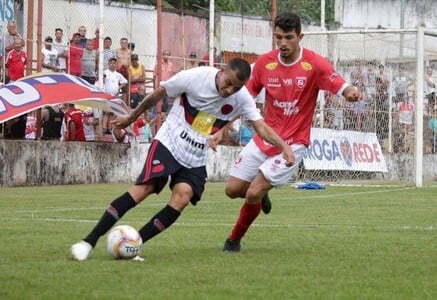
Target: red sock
(248, 214)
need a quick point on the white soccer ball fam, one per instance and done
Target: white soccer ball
(123, 242)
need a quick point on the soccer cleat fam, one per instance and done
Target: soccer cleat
(81, 250)
(266, 204)
(232, 246)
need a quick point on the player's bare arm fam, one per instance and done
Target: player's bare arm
(271, 137)
(352, 94)
(218, 136)
(148, 102)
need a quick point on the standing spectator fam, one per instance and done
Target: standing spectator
(405, 114)
(167, 71)
(192, 61)
(113, 82)
(90, 63)
(90, 121)
(16, 127)
(61, 45)
(358, 79)
(431, 129)
(141, 129)
(96, 39)
(205, 59)
(16, 60)
(51, 117)
(131, 47)
(336, 110)
(123, 55)
(138, 97)
(75, 55)
(401, 83)
(429, 89)
(49, 58)
(370, 82)
(73, 124)
(301, 73)
(137, 78)
(82, 33)
(107, 52)
(10, 35)
(381, 104)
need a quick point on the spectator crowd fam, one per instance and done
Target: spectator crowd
(387, 107)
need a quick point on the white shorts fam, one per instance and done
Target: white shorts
(251, 160)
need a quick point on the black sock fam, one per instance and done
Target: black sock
(161, 221)
(113, 213)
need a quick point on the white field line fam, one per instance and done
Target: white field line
(203, 224)
(297, 196)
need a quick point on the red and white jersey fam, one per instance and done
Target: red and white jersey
(16, 63)
(198, 112)
(291, 94)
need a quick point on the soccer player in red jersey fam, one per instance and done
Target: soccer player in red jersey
(292, 77)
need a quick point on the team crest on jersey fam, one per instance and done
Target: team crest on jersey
(306, 66)
(301, 81)
(271, 66)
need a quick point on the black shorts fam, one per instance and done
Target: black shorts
(160, 164)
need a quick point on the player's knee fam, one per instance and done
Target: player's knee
(232, 192)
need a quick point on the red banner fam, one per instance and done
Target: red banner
(41, 89)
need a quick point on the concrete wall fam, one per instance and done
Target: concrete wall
(49, 163)
(386, 13)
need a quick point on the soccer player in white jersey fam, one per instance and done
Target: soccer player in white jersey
(292, 77)
(206, 100)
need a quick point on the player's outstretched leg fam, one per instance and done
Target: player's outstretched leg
(248, 214)
(266, 204)
(161, 221)
(114, 212)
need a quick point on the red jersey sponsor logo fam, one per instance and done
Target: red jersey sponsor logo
(271, 66)
(301, 82)
(306, 66)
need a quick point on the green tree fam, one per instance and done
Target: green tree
(309, 10)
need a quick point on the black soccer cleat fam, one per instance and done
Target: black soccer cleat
(266, 204)
(232, 246)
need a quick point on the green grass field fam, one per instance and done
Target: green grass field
(338, 243)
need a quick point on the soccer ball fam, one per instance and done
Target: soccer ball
(123, 242)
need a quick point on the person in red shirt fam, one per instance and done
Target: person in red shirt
(75, 57)
(16, 60)
(292, 77)
(74, 124)
(96, 39)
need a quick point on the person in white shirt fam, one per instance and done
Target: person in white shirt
(114, 81)
(206, 100)
(49, 57)
(429, 89)
(61, 45)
